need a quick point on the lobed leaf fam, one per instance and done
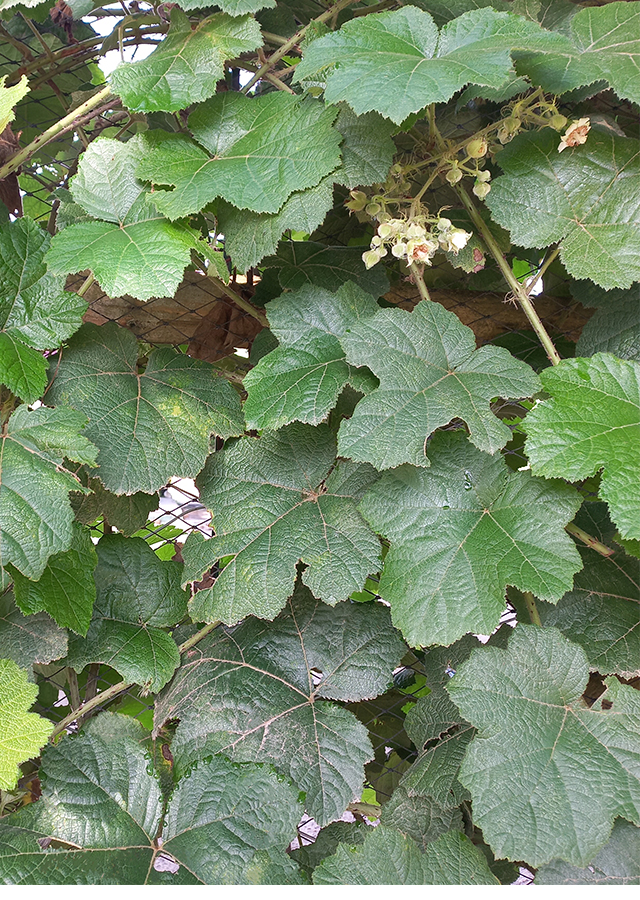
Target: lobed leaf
(618, 863)
(23, 733)
(28, 639)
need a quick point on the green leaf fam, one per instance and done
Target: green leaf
(445, 10)
(150, 426)
(23, 733)
(302, 378)
(600, 398)
(137, 595)
(460, 532)
(277, 500)
(35, 513)
(306, 262)
(604, 45)
(551, 789)
(249, 237)
(397, 63)
(284, 717)
(602, 613)
(618, 863)
(262, 149)
(66, 589)
(581, 197)
(28, 639)
(9, 98)
(615, 326)
(232, 7)
(308, 856)
(430, 373)
(388, 857)
(127, 514)
(134, 250)
(187, 65)
(35, 311)
(367, 148)
(102, 802)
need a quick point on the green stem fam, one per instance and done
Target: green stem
(543, 268)
(64, 124)
(115, 689)
(420, 282)
(532, 609)
(291, 43)
(86, 284)
(590, 541)
(74, 690)
(519, 290)
(240, 301)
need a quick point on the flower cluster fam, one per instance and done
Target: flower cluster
(413, 241)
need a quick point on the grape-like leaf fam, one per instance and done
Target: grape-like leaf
(127, 514)
(35, 311)
(148, 426)
(132, 249)
(35, 513)
(551, 789)
(28, 639)
(306, 262)
(460, 532)
(592, 421)
(430, 373)
(397, 63)
(285, 671)
(137, 596)
(602, 613)
(367, 148)
(585, 197)
(187, 65)
(23, 733)
(260, 150)
(614, 327)
(66, 589)
(443, 11)
(249, 237)
(388, 857)
(277, 500)
(102, 804)
(302, 378)
(605, 45)
(232, 7)
(618, 863)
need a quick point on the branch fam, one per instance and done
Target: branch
(240, 301)
(587, 539)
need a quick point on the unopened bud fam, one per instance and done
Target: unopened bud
(481, 189)
(477, 148)
(399, 250)
(444, 224)
(454, 175)
(370, 258)
(484, 175)
(558, 122)
(357, 202)
(385, 230)
(373, 208)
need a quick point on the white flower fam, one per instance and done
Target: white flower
(575, 134)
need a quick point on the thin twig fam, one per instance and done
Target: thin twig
(532, 609)
(240, 301)
(86, 284)
(543, 268)
(587, 539)
(74, 690)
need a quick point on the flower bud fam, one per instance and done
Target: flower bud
(558, 122)
(370, 258)
(385, 230)
(399, 250)
(483, 175)
(357, 202)
(454, 175)
(477, 148)
(415, 231)
(481, 189)
(376, 241)
(444, 224)
(373, 208)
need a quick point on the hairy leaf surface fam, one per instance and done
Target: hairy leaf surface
(587, 197)
(257, 152)
(618, 863)
(286, 671)
(188, 64)
(592, 421)
(28, 639)
(302, 378)
(150, 426)
(430, 373)
(551, 789)
(306, 262)
(137, 595)
(23, 732)
(275, 501)
(35, 513)
(460, 532)
(614, 327)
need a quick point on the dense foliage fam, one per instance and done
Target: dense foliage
(383, 485)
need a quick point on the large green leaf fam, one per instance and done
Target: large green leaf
(367, 148)
(35, 311)
(232, 7)
(605, 45)
(127, 514)
(28, 639)
(285, 671)
(35, 513)
(397, 63)
(592, 421)
(66, 589)
(615, 325)
(187, 65)
(460, 532)
(302, 378)
(249, 236)
(23, 733)
(430, 373)
(277, 500)
(132, 249)
(553, 788)
(137, 596)
(618, 863)
(148, 426)
(102, 805)
(602, 613)
(388, 857)
(258, 151)
(585, 197)
(445, 10)
(9, 98)
(306, 262)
